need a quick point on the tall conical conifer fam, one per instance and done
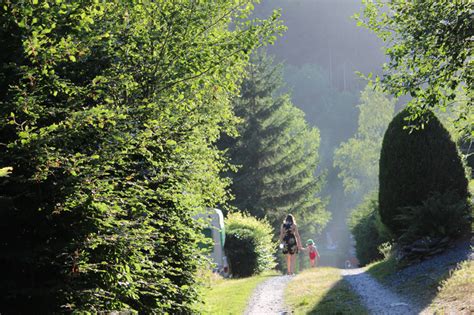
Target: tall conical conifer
(277, 152)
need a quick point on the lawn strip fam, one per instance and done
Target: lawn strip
(322, 291)
(230, 296)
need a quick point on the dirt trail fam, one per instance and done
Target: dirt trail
(268, 297)
(376, 298)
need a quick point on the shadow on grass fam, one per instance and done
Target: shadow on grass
(340, 299)
(322, 291)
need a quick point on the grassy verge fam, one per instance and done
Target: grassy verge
(456, 294)
(322, 291)
(382, 269)
(230, 296)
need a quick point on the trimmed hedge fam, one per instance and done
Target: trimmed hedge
(248, 246)
(414, 165)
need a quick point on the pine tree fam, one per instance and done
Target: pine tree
(277, 152)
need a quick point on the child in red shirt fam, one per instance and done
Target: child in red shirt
(312, 251)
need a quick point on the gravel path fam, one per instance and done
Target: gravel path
(375, 297)
(268, 297)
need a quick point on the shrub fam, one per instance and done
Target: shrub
(448, 215)
(415, 164)
(248, 244)
(369, 232)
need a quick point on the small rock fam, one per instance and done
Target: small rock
(398, 304)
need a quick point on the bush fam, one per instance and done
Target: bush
(369, 232)
(414, 164)
(448, 215)
(248, 245)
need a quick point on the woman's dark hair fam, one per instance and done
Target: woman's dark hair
(290, 219)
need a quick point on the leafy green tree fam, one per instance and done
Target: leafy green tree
(277, 152)
(110, 111)
(429, 44)
(358, 157)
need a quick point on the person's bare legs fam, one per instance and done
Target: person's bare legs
(293, 263)
(288, 263)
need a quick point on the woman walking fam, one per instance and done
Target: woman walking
(290, 238)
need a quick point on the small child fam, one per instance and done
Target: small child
(313, 252)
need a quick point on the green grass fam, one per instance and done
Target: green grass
(456, 294)
(322, 291)
(230, 296)
(382, 269)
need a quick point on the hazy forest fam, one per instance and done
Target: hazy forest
(236, 157)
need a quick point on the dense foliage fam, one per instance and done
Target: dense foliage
(109, 111)
(429, 44)
(358, 157)
(448, 216)
(413, 166)
(368, 231)
(248, 246)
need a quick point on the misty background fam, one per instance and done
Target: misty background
(321, 52)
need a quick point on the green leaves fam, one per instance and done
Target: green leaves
(249, 245)
(5, 171)
(112, 113)
(429, 45)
